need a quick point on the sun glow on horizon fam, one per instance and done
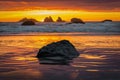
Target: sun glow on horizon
(9, 16)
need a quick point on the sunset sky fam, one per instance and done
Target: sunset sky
(88, 10)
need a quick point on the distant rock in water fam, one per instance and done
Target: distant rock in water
(60, 52)
(28, 22)
(107, 20)
(23, 20)
(26, 19)
(77, 20)
(60, 20)
(48, 19)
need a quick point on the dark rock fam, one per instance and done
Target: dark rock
(107, 20)
(23, 20)
(26, 19)
(60, 20)
(57, 52)
(28, 22)
(77, 20)
(68, 23)
(34, 20)
(48, 19)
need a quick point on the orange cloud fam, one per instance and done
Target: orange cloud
(86, 5)
(13, 10)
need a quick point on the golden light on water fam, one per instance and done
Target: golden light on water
(92, 70)
(78, 41)
(25, 58)
(87, 56)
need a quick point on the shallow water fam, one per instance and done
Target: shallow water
(99, 58)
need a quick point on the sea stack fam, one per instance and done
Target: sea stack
(107, 20)
(77, 20)
(59, 19)
(48, 19)
(57, 52)
(26, 19)
(28, 22)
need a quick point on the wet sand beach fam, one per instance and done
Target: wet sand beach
(98, 60)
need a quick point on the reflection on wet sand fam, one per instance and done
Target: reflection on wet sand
(88, 56)
(78, 41)
(99, 59)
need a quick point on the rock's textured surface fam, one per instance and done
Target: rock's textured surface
(61, 51)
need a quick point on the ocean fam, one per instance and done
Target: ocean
(97, 43)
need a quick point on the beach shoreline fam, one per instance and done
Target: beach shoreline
(99, 59)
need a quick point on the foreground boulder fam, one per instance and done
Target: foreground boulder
(77, 20)
(57, 52)
(28, 22)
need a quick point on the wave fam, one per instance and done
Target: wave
(90, 27)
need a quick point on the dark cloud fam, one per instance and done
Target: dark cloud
(98, 5)
(87, 1)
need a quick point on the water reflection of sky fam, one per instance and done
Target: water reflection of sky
(78, 41)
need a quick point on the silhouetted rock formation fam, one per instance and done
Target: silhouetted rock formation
(28, 22)
(57, 52)
(59, 20)
(77, 20)
(23, 20)
(107, 20)
(26, 19)
(48, 19)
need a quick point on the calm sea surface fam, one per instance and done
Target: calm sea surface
(99, 58)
